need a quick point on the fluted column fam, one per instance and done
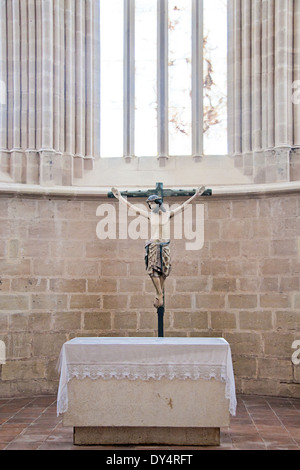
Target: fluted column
(256, 75)
(38, 76)
(58, 85)
(24, 76)
(31, 150)
(16, 75)
(29, 156)
(47, 153)
(47, 75)
(295, 156)
(296, 78)
(270, 141)
(283, 80)
(16, 163)
(263, 159)
(264, 67)
(257, 80)
(3, 88)
(283, 84)
(96, 78)
(49, 89)
(70, 77)
(246, 76)
(235, 70)
(230, 78)
(79, 87)
(89, 131)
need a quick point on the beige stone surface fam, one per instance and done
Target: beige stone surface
(65, 282)
(152, 403)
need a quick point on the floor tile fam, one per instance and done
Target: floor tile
(261, 423)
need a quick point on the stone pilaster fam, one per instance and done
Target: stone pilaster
(32, 166)
(277, 165)
(259, 167)
(295, 165)
(17, 165)
(50, 168)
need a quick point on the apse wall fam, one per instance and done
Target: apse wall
(59, 280)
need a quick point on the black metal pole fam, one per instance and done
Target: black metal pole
(160, 318)
(160, 314)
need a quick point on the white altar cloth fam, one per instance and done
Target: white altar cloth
(145, 359)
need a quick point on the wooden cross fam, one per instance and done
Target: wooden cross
(160, 191)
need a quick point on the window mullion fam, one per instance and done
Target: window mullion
(162, 78)
(197, 79)
(129, 78)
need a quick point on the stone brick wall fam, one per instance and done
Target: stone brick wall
(58, 281)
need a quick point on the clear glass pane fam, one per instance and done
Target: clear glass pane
(180, 77)
(215, 77)
(145, 77)
(111, 69)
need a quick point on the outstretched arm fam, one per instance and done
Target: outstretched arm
(124, 201)
(198, 192)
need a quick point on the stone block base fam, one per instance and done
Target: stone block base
(146, 436)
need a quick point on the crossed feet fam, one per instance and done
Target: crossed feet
(159, 301)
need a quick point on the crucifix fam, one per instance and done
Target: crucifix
(157, 249)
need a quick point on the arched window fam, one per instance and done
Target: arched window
(163, 72)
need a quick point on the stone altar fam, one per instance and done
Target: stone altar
(163, 391)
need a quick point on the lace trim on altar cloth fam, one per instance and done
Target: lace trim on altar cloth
(148, 372)
(155, 371)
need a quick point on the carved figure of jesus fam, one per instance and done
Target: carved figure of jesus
(157, 248)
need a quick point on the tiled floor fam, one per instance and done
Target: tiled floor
(260, 423)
